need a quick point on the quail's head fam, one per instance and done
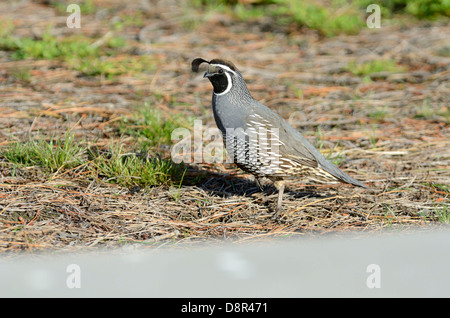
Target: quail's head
(220, 73)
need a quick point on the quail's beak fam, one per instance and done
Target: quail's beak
(207, 74)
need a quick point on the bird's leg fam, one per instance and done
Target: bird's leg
(258, 182)
(280, 186)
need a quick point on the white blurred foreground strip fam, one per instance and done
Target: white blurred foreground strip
(358, 265)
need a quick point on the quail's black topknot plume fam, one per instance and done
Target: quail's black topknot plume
(196, 63)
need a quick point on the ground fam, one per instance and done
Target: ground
(376, 103)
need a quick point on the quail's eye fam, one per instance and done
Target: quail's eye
(220, 70)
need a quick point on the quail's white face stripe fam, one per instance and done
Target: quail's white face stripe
(230, 84)
(225, 68)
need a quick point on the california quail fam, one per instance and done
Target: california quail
(259, 140)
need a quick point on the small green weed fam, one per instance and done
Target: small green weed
(116, 42)
(134, 18)
(443, 214)
(320, 137)
(176, 193)
(424, 111)
(429, 111)
(379, 114)
(333, 156)
(443, 51)
(438, 186)
(6, 28)
(21, 73)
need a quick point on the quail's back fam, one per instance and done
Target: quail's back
(259, 140)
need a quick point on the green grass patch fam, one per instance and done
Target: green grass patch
(423, 9)
(334, 18)
(135, 170)
(375, 66)
(151, 128)
(426, 111)
(49, 47)
(86, 6)
(53, 154)
(112, 66)
(444, 51)
(115, 165)
(79, 53)
(328, 17)
(6, 28)
(130, 19)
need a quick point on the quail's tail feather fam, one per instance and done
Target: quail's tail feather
(339, 174)
(326, 166)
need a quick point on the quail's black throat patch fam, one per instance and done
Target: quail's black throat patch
(219, 82)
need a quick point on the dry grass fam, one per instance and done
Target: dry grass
(388, 129)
